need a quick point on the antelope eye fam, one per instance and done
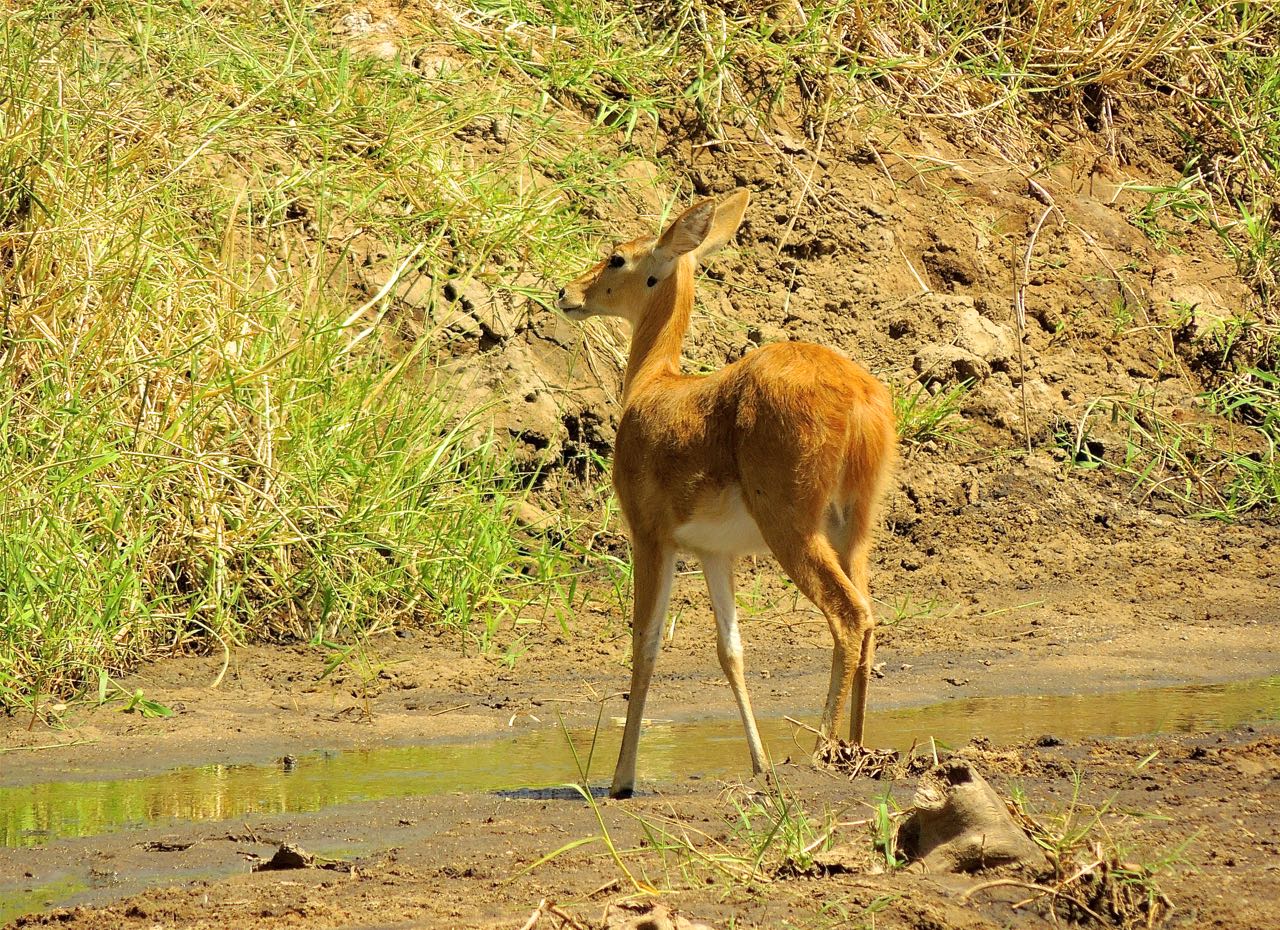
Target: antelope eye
(617, 261)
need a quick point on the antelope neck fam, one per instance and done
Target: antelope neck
(658, 337)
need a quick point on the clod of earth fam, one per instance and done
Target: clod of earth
(288, 856)
(960, 824)
(292, 856)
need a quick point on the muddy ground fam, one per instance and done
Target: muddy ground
(999, 571)
(469, 860)
(459, 859)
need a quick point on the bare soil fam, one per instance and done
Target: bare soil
(1002, 570)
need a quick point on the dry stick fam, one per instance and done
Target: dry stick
(607, 886)
(805, 726)
(383, 291)
(875, 153)
(1043, 889)
(35, 708)
(924, 285)
(567, 918)
(533, 918)
(448, 710)
(1084, 869)
(78, 742)
(804, 191)
(1020, 316)
(829, 833)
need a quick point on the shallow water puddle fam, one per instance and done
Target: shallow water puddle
(38, 813)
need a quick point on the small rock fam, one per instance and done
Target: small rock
(991, 342)
(357, 23)
(457, 323)
(845, 858)
(647, 917)
(956, 681)
(948, 364)
(1250, 768)
(533, 518)
(493, 313)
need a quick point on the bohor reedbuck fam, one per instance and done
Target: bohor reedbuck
(787, 450)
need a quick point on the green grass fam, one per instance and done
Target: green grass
(924, 417)
(1203, 469)
(203, 444)
(1095, 870)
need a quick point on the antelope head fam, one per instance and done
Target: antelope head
(623, 283)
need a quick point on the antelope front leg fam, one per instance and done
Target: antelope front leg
(653, 567)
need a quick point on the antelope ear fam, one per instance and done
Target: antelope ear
(688, 230)
(728, 218)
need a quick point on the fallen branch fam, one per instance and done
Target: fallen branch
(1032, 886)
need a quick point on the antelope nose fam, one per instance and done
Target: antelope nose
(560, 296)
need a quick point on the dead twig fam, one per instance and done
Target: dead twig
(804, 191)
(924, 285)
(448, 710)
(76, 742)
(1020, 306)
(805, 726)
(535, 916)
(1032, 886)
(567, 918)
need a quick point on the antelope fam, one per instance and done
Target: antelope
(787, 450)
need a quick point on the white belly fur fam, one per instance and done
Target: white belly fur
(721, 524)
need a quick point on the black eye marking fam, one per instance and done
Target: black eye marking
(652, 281)
(617, 261)
(608, 290)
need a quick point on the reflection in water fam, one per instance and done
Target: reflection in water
(33, 814)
